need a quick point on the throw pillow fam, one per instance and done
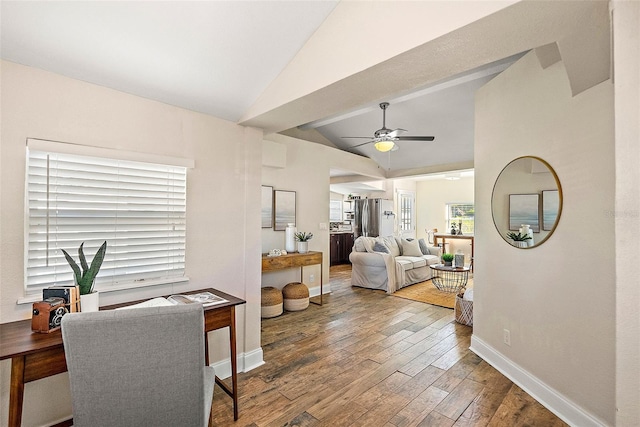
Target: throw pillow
(362, 244)
(380, 247)
(391, 243)
(423, 247)
(410, 248)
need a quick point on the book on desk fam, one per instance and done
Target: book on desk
(207, 299)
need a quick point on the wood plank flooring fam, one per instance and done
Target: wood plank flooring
(369, 359)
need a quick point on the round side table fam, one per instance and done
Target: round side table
(449, 279)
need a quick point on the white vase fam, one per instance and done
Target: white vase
(290, 238)
(303, 247)
(90, 302)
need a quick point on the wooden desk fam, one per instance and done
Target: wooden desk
(293, 260)
(35, 356)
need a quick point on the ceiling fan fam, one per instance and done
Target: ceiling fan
(384, 139)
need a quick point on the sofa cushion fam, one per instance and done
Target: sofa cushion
(410, 262)
(404, 263)
(423, 247)
(411, 248)
(431, 259)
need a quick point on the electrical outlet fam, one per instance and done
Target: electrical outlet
(312, 278)
(506, 336)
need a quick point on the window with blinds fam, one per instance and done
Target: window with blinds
(461, 213)
(138, 208)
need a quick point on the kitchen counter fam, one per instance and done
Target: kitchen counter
(341, 232)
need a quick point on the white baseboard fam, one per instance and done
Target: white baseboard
(246, 362)
(557, 403)
(315, 291)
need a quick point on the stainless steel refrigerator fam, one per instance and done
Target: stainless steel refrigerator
(373, 218)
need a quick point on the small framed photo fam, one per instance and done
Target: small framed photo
(550, 208)
(524, 209)
(285, 209)
(267, 206)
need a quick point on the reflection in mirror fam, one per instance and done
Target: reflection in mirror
(527, 202)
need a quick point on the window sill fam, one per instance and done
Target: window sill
(30, 299)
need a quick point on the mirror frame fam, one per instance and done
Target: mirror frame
(560, 202)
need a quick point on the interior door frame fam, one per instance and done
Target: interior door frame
(406, 200)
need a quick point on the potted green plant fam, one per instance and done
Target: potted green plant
(447, 259)
(303, 241)
(84, 275)
(519, 239)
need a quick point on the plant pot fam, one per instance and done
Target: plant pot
(448, 263)
(303, 247)
(90, 302)
(520, 243)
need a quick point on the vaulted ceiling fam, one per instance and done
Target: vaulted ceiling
(313, 67)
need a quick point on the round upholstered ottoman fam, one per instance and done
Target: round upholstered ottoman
(271, 302)
(296, 296)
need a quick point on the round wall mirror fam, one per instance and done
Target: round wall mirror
(526, 202)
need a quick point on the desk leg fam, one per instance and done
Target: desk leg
(234, 362)
(321, 293)
(233, 392)
(16, 393)
(321, 290)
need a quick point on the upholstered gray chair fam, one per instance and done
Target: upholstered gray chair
(138, 367)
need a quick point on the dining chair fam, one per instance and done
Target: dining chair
(138, 367)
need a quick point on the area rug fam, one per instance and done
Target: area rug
(427, 292)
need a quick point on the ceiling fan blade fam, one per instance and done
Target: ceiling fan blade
(416, 138)
(364, 143)
(394, 133)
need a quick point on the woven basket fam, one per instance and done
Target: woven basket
(463, 310)
(296, 296)
(271, 302)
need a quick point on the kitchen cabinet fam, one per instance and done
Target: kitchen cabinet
(340, 247)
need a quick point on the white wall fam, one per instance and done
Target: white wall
(557, 299)
(432, 199)
(223, 200)
(306, 172)
(626, 21)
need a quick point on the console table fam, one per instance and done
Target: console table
(293, 260)
(37, 355)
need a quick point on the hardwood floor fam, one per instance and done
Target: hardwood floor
(369, 359)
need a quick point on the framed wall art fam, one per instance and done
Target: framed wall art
(267, 206)
(285, 209)
(550, 207)
(524, 209)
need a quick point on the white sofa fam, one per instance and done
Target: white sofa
(391, 263)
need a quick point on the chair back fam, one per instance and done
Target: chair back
(430, 235)
(136, 367)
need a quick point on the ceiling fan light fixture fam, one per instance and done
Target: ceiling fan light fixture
(384, 146)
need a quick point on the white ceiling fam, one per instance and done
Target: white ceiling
(214, 57)
(444, 110)
(218, 57)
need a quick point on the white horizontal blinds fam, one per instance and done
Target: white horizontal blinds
(138, 208)
(462, 212)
